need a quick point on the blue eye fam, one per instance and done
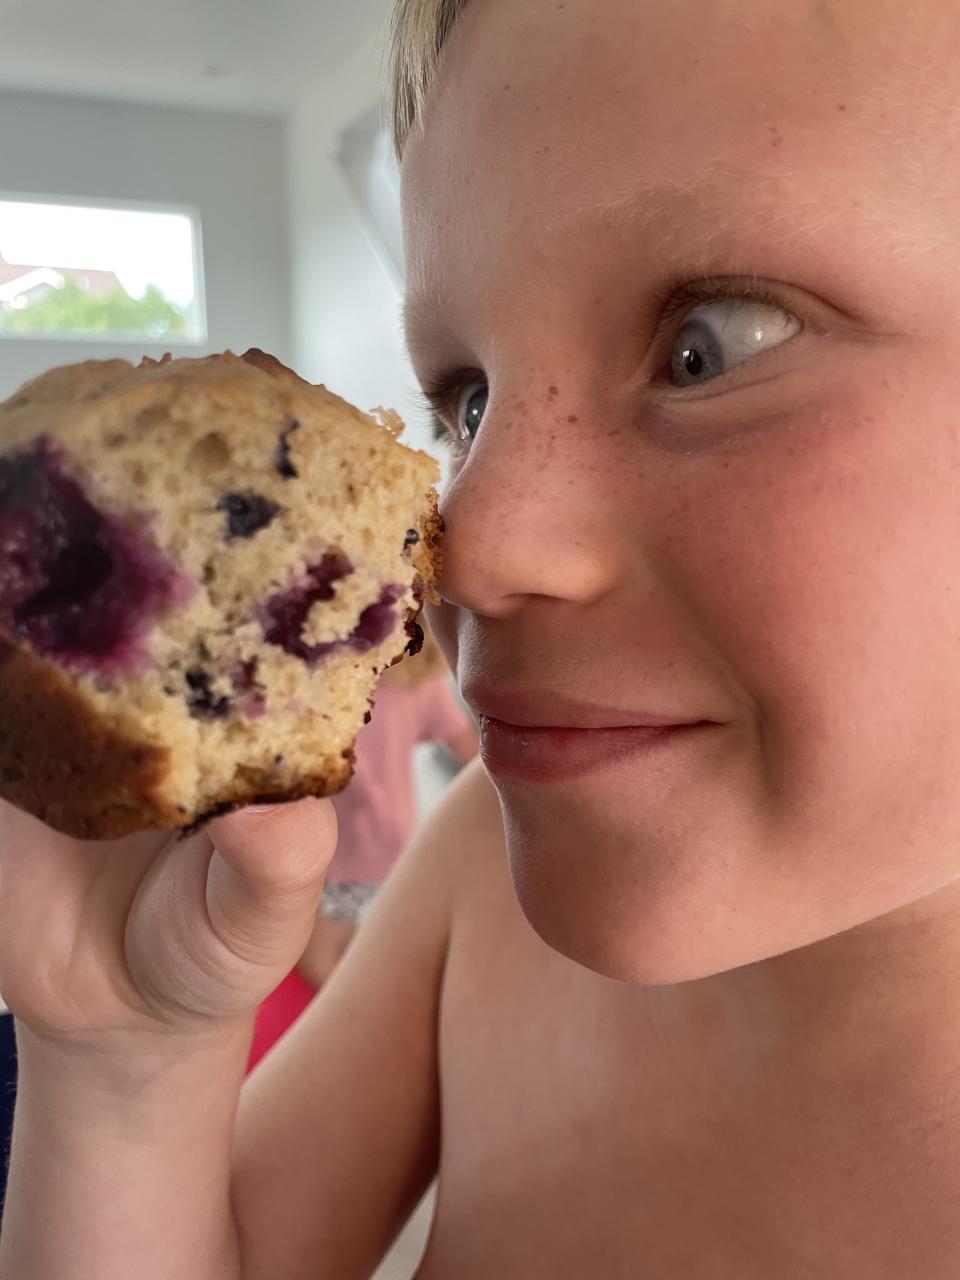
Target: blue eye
(471, 407)
(719, 336)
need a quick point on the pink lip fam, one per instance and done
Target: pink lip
(552, 754)
(543, 710)
(546, 737)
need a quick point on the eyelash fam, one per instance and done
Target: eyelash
(675, 300)
(438, 394)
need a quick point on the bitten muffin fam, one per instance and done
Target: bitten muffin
(204, 566)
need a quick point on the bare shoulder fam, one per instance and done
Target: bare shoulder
(461, 840)
(338, 1131)
(471, 808)
(467, 833)
(462, 835)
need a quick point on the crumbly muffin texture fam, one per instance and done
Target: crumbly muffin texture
(204, 566)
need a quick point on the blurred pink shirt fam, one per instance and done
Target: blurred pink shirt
(377, 811)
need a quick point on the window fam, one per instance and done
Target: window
(98, 271)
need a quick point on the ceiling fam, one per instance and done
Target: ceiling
(259, 56)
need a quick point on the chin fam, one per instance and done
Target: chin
(640, 948)
(643, 905)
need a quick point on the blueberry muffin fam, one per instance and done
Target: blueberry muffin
(204, 566)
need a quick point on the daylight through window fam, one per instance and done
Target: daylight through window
(99, 272)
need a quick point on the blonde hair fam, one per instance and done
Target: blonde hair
(419, 31)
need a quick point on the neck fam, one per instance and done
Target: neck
(863, 1029)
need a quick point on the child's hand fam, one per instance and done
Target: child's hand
(154, 934)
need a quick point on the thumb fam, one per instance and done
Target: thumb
(266, 877)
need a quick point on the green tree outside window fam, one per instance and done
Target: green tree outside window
(71, 309)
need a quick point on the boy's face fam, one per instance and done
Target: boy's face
(706, 259)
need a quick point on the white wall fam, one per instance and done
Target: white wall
(232, 168)
(346, 294)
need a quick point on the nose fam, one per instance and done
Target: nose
(530, 513)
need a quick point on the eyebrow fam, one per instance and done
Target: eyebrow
(419, 324)
(702, 207)
(648, 204)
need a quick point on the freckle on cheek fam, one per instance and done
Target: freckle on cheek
(553, 392)
(573, 418)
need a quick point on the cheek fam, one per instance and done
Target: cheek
(820, 571)
(823, 566)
